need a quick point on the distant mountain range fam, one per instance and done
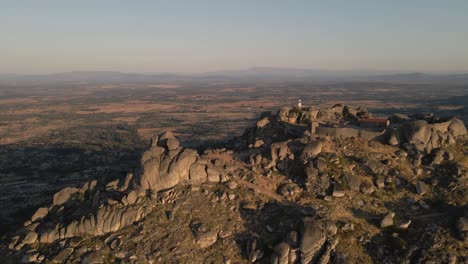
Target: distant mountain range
(248, 75)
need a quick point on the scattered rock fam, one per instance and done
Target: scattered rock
(367, 187)
(404, 223)
(63, 255)
(258, 143)
(338, 191)
(253, 251)
(387, 220)
(421, 188)
(380, 183)
(115, 243)
(231, 185)
(93, 257)
(331, 228)
(207, 239)
(353, 181)
(424, 204)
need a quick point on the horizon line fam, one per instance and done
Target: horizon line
(246, 70)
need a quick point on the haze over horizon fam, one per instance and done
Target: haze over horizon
(204, 36)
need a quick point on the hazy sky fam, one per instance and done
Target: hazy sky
(198, 36)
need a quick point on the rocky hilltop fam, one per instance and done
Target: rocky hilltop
(302, 186)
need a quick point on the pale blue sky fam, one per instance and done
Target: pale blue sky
(198, 36)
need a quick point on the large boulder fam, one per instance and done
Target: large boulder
(279, 151)
(280, 254)
(164, 165)
(426, 137)
(387, 220)
(214, 174)
(312, 239)
(283, 113)
(417, 132)
(353, 181)
(462, 226)
(167, 140)
(311, 150)
(457, 128)
(180, 167)
(105, 220)
(263, 122)
(394, 137)
(64, 195)
(40, 213)
(197, 173)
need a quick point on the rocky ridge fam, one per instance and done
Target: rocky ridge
(272, 195)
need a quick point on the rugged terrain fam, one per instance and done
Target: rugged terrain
(270, 196)
(54, 135)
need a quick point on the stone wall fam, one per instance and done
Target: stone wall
(346, 132)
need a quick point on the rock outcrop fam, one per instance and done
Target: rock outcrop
(165, 164)
(309, 245)
(424, 136)
(94, 211)
(290, 198)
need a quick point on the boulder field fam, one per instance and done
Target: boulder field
(271, 196)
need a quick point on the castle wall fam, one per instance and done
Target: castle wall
(346, 132)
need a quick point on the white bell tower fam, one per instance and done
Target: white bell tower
(299, 103)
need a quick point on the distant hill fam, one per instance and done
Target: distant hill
(418, 77)
(89, 77)
(250, 75)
